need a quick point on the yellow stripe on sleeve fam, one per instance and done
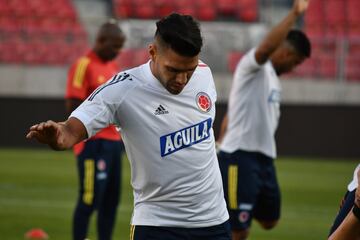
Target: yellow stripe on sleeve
(132, 230)
(80, 72)
(232, 186)
(88, 195)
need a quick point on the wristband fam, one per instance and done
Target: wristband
(356, 211)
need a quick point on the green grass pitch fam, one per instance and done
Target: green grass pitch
(38, 188)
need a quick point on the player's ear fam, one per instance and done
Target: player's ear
(152, 51)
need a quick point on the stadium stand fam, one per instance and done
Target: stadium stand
(233, 59)
(40, 32)
(333, 26)
(132, 57)
(206, 10)
(36, 32)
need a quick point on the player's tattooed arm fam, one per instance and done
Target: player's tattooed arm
(58, 135)
(277, 34)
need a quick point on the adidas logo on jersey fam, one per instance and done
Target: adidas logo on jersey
(185, 137)
(161, 110)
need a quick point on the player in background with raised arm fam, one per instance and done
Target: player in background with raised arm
(166, 110)
(247, 149)
(98, 158)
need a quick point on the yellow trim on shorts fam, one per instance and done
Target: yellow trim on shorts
(232, 186)
(88, 195)
(80, 72)
(132, 230)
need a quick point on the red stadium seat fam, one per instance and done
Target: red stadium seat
(207, 13)
(335, 17)
(186, 7)
(353, 18)
(233, 59)
(141, 56)
(327, 66)
(37, 32)
(130, 57)
(321, 46)
(5, 9)
(354, 46)
(9, 29)
(188, 10)
(352, 70)
(227, 7)
(206, 10)
(124, 8)
(247, 10)
(126, 59)
(315, 18)
(145, 11)
(204, 3)
(164, 7)
(307, 69)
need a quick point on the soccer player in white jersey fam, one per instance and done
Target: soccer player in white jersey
(349, 225)
(165, 109)
(247, 149)
(347, 202)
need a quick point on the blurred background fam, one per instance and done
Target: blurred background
(318, 136)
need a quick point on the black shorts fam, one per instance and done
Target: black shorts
(218, 232)
(346, 205)
(250, 187)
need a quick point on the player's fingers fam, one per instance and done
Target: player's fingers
(44, 125)
(33, 127)
(51, 125)
(32, 134)
(41, 126)
(29, 135)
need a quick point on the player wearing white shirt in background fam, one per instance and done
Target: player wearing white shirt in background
(166, 110)
(248, 147)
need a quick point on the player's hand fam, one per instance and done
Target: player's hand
(357, 193)
(300, 6)
(49, 133)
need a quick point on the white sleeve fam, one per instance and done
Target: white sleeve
(99, 110)
(248, 62)
(354, 183)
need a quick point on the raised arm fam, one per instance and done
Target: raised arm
(58, 135)
(349, 229)
(278, 34)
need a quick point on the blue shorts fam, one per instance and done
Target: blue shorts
(250, 187)
(218, 232)
(346, 205)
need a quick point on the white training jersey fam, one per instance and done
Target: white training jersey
(354, 183)
(254, 108)
(170, 144)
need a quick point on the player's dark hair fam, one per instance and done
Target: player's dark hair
(110, 29)
(181, 33)
(300, 42)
